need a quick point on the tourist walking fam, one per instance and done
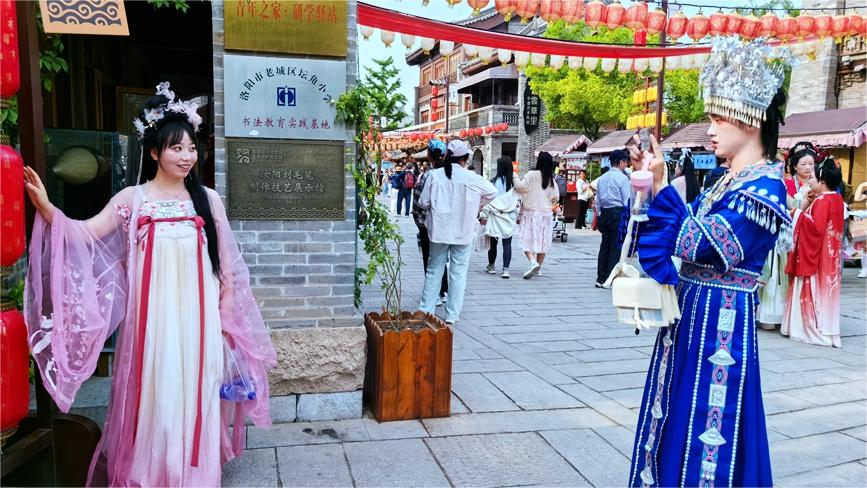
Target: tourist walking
(394, 180)
(500, 217)
(539, 193)
(436, 150)
(405, 183)
(612, 200)
(585, 194)
(812, 313)
(701, 421)
(453, 197)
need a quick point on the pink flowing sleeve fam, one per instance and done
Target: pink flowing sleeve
(242, 323)
(75, 293)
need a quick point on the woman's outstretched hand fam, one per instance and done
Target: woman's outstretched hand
(657, 166)
(38, 195)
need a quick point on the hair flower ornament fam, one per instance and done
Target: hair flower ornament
(152, 116)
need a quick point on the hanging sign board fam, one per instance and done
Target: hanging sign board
(532, 110)
(285, 180)
(704, 161)
(316, 27)
(282, 98)
(93, 17)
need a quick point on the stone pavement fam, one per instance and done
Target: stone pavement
(546, 387)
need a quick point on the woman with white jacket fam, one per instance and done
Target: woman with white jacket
(500, 216)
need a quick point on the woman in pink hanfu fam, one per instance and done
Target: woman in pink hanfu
(814, 266)
(160, 264)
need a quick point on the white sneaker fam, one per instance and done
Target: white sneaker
(451, 321)
(863, 273)
(441, 301)
(490, 269)
(505, 274)
(532, 270)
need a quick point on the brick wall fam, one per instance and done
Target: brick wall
(302, 272)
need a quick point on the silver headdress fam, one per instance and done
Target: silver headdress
(740, 79)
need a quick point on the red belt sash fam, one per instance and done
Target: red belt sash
(146, 222)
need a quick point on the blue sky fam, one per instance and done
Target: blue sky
(440, 10)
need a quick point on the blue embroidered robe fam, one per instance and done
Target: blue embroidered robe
(702, 422)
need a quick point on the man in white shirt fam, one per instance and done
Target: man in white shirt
(584, 196)
(453, 196)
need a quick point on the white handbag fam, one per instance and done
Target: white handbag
(640, 300)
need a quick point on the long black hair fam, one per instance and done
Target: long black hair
(504, 171)
(687, 170)
(167, 132)
(545, 165)
(452, 159)
(828, 172)
(770, 130)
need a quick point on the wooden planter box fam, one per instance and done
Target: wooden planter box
(409, 372)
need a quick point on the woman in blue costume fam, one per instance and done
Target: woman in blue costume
(702, 422)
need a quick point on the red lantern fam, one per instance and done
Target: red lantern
(822, 25)
(734, 24)
(718, 23)
(435, 91)
(413, 136)
(10, 73)
(434, 103)
(14, 369)
(477, 5)
(433, 117)
(463, 134)
(594, 13)
(805, 24)
(527, 9)
(550, 10)
(506, 8)
(855, 24)
(750, 27)
(655, 22)
(636, 16)
(787, 28)
(615, 15)
(769, 25)
(863, 32)
(488, 129)
(677, 26)
(571, 11)
(11, 205)
(479, 131)
(640, 38)
(698, 27)
(839, 26)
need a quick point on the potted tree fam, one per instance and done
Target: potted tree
(409, 360)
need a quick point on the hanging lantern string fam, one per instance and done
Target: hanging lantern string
(748, 8)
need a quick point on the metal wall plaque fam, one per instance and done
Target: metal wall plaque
(282, 98)
(285, 180)
(315, 27)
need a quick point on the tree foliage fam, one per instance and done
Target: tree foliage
(381, 89)
(682, 100)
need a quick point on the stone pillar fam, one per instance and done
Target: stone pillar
(303, 273)
(528, 144)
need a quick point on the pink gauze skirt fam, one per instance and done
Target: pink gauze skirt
(536, 227)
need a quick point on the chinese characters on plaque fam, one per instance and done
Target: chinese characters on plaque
(282, 98)
(291, 180)
(317, 27)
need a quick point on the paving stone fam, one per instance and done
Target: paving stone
(597, 460)
(531, 392)
(780, 401)
(537, 337)
(620, 437)
(629, 398)
(818, 420)
(255, 467)
(301, 433)
(282, 408)
(400, 429)
(477, 460)
(487, 353)
(484, 366)
(799, 366)
(460, 340)
(849, 474)
(644, 340)
(329, 406)
(639, 365)
(480, 395)
(457, 406)
(522, 421)
(315, 465)
(594, 355)
(464, 355)
(807, 454)
(857, 432)
(615, 381)
(552, 346)
(406, 462)
(553, 358)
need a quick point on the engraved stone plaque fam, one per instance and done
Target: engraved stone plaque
(285, 180)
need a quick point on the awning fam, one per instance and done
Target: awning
(693, 136)
(610, 142)
(560, 144)
(827, 128)
(508, 72)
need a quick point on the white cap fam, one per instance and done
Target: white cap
(458, 148)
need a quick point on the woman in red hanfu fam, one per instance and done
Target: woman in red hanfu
(160, 265)
(814, 266)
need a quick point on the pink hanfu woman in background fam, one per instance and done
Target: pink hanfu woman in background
(160, 264)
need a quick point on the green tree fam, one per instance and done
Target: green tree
(380, 88)
(682, 100)
(761, 8)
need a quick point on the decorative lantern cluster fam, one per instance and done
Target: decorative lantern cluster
(645, 100)
(14, 353)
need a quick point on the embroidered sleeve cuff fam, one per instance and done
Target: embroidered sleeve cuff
(688, 239)
(718, 232)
